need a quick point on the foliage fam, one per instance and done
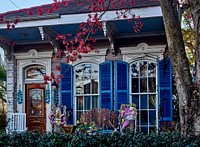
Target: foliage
(188, 36)
(3, 122)
(2, 73)
(86, 140)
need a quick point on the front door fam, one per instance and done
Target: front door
(36, 107)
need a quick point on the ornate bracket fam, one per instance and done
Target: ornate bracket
(50, 35)
(110, 31)
(7, 48)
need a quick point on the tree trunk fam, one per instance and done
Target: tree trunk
(180, 65)
(195, 11)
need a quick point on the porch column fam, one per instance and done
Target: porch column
(11, 81)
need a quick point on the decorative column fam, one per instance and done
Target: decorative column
(11, 79)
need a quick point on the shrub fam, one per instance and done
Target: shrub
(3, 122)
(100, 140)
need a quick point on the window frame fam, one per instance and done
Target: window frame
(34, 66)
(75, 96)
(147, 93)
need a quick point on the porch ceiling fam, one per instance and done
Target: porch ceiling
(152, 26)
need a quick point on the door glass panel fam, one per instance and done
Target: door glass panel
(36, 102)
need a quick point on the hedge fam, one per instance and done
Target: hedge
(98, 140)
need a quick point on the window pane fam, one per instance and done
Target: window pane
(144, 129)
(152, 117)
(94, 78)
(144, 117)
(138, 129)
(79, 115)
(143, 69)
(86, 87)
(135, 87)
(86, 76)
(87, 103)
(35, 72)
(152, 101)
(152, 129)
(79, 79)
(36, 102)
(143, 102)
(135, 69)
(135, 100)
(94, 102)
(94, 87)
(138, 117)
(143, 85)
(151, 69)
(152, 84)
(80, 103)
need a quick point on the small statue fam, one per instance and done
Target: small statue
(57, 119)
(127, 115)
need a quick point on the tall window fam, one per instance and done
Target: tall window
(86, 87)
(144, 94)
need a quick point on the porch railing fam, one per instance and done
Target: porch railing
(17, 122)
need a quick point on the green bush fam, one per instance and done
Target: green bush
(100, 140)
(3, 122)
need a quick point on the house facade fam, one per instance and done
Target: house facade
(129, 67)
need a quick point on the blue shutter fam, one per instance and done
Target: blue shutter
(121, 84)
(106, 86)
(66, 86)
(165, 89)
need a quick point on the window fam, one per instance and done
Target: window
(86, 87)
(35, 72)
(144, 94)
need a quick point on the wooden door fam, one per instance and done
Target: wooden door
(36, 107)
